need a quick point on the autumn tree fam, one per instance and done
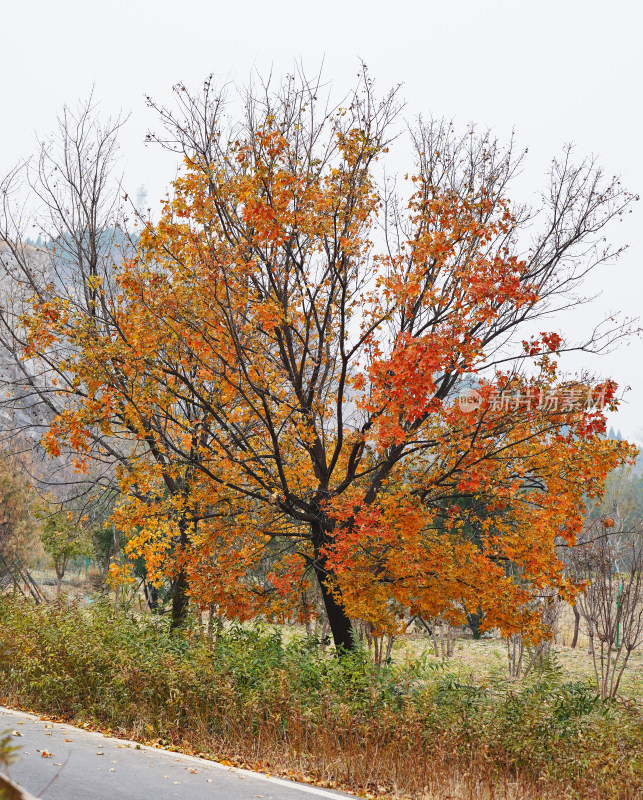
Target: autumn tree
(18, 528)
(292, 340)
(73, 194)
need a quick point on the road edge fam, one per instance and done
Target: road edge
(304, 787)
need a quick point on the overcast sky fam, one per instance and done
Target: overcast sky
(556, 72)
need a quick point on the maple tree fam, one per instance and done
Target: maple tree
(285, 354)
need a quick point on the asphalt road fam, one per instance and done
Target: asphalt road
(84, 765)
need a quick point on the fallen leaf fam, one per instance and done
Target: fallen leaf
(16, 733)
(46, 754)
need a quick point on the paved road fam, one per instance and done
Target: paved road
(91, 766)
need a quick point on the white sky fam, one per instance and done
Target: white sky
(557, 72)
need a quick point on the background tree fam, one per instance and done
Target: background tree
(610, 565)
(607, 561)
(18, 528)
(63, 542)
(74, 197)
(68, 194)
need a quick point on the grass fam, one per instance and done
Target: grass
(417, 728)
(479, 661)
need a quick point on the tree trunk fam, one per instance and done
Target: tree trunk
(340, 624)
(60, 574)
(576, 626)
(210, 628)
(151, 596)
(434, 636)
(473, 621)
(180, 600)
(339, 621)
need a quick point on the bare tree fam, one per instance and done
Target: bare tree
(68, 196)
(611, 566)
(517, 648)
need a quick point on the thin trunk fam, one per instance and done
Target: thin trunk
(434, 627)
(594, 661)
(377, 649)
(60, 568)
(621, 671)
(451, 642)
(576, 626)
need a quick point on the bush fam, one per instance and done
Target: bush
(251, 698)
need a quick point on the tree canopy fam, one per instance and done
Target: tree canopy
(325, 374)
